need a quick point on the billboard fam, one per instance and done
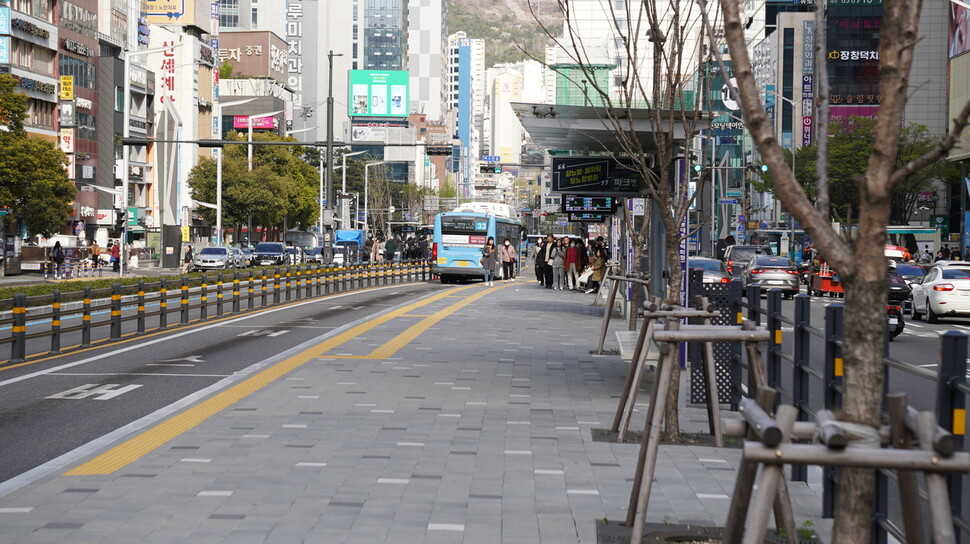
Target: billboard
(959, 30)
(259, 123)
(255, 53)
(179, 12)
(378, 93)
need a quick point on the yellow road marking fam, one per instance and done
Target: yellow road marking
(131, 450)
(393, 345)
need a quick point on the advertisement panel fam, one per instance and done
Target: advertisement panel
(67, 87)
(4, 49)
(4, 20)
(368, 134)
(597, 175)
(178, 12)
(959, 30)
(378, 93)
(255, 53)
(262, 123)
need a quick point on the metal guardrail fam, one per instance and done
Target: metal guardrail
(951, 382)
(218, 295)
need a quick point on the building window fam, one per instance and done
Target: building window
(255, 18)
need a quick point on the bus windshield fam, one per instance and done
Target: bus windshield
(457, 230)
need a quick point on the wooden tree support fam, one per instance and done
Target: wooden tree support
(614, 283)
(668, 341)
(768, 446)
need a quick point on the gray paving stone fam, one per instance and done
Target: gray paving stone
(533, 366)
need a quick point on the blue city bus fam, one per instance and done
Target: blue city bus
(458, 239)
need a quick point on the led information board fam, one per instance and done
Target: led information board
(586, 217)
(379, 93)
(588, 203)
(596, 175)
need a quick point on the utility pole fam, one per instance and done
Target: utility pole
(329, 189)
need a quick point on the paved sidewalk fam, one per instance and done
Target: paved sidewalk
(480, 429)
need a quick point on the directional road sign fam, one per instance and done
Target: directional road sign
(733, 192)
(491, 158)
(727, 201)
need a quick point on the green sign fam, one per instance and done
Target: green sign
(941, 222)
(132, 217)
(378, 93)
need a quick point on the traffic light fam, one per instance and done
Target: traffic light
(120, 218)
(490, 169)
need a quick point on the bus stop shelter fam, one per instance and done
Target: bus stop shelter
(587, 130)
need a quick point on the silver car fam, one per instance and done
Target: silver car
(769, 272)
(213, 258)
(713, 269)
(238, 259)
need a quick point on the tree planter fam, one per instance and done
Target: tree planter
(609, 532)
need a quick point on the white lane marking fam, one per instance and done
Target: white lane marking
(17, 510)
(397, 481)
(214, 494)
(189, 359)
(550, 472)
(582, 492)
(264, 332)
(99, 392)
(308, 464)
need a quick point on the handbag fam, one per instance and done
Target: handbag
(584, 277)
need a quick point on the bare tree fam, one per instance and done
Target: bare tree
(861, 262)
(660, 47)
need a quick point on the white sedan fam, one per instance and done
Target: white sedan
(943, 292)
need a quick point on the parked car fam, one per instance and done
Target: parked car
(270, 254)
(213, 258)
(294, 255)
(736, 257)
(315, 255)
(943, 292)
(238, 259)
(769, 272)
(714, 271)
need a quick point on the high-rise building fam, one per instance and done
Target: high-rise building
(506, 133)
(28, 48)
(426, 42)
(466, 97)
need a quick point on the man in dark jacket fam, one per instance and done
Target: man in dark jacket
(390, 248)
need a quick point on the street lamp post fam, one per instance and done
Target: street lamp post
(791, 224)
(218, 151)
(329, 191)
(249, 139)
(126, 133)
(366, 182)
(345, 217)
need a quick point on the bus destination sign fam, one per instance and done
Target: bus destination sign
(586, 218)
(588, 203)
(597, 175)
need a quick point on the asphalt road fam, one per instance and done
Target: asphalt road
(53, 406)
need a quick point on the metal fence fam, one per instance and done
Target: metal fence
(951, 387)
(212, 296)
